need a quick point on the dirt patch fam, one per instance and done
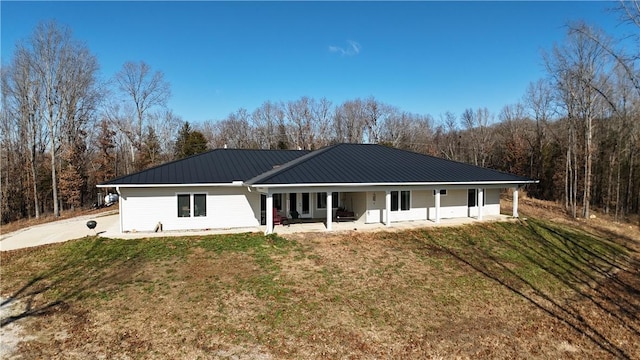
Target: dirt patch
(521, 289)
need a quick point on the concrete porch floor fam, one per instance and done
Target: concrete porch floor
(305, 227)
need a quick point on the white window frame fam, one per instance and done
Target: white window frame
(475, 196)
(192, 204)
(323, 197)
(399, 201)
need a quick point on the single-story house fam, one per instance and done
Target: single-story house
(234, 188)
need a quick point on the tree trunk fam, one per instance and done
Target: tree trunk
(34, 174)
(567, 178)
(54, 181)
(586, 199)
(617, 192)
(607, 202)
(627, 199)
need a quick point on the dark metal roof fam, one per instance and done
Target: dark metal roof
(336, 164)
(377, 164)
(212, 167)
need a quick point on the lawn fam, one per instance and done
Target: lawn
(525, 289)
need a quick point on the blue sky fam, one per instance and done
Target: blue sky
(423, 57)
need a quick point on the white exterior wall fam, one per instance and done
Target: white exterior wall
(375, 208)
(417, 210)
(357, 203)
(452, 205)
(491, 203)
(227, 207)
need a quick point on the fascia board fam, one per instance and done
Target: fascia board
(432, 184)
(233, 184)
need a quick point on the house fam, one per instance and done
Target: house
(234, 188)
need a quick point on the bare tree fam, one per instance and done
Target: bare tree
(22, 103)
(144, 89)
(476, 124)
(349, 122)
(299, 117)
(578, 68)
(264, 122)
(66, 73)
(321, 114)
(376, 114)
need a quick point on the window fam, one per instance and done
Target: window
(394, 201)
(184, 205)
(277, 201)
(321, 200)
(199, 205)
(443, 192)
(472, 198)
(199, 202)
(400, 200)
(405, 200)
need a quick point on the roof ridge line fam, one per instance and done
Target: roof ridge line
(287, 165)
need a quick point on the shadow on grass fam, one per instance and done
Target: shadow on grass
(83, 268)
(535, 258)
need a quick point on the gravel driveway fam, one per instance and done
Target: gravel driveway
(58, 231)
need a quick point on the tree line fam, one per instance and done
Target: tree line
(64, 130)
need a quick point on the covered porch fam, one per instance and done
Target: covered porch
(375, 207)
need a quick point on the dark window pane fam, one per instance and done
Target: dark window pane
(277, 201)
(305, 203)
(405, 200)
(184, 205)
(334, 200)
(471, 197)
(394, 201)
(199, 205)
(321, 200)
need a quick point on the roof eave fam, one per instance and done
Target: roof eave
(522, 182)
(232, 184)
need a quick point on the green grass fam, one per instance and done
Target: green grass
(250, 289)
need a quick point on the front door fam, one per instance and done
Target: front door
(300, 203)
(293, 203)
(304, 210)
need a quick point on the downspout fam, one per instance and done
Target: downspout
(119, 207)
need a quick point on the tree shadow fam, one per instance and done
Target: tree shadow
(69, 279)
(605, 274)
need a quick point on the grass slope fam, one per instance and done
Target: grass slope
(527, 289)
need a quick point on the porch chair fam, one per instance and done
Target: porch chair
(278, 219)
(295, 216)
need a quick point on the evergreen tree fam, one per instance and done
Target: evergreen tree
(189, 142)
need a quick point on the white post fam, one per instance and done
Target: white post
(437, 205)
(329, 209)
(120, 208)
(269, 213)
(515, 202)
(480, 202)
(387, 211)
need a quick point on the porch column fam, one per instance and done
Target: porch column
(437, 205)
(480, 202)
(269, 214)
(387, 207)
(120, 208)
(515, 202)
(329, 209)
